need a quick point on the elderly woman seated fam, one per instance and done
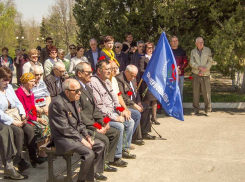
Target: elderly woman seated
(34, 117)
(13, 127)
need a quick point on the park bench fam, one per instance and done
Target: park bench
(52, 155)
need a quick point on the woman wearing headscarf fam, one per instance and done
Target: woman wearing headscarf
(26, 97)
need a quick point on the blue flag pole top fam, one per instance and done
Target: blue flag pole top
(161, 76)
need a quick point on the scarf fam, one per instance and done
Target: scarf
(110, 53)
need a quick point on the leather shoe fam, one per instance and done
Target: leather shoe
(127, 155)
(138, 142)
(119, 163)
(110, 169)
(99, 176)
(12, 174)
(148, 137)
(23, 165)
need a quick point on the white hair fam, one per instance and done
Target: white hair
(61, 51)
(131, 68)
(35, 68)
(199, 38)
(58, 64)
(119, 43)
(92, 39)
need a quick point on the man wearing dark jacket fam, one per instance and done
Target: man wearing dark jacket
(44, 53)
(127, 85)
(93, 54)
(121, 57)
(55, 79)
(91, 114)
(69, 133)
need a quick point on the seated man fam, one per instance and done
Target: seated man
(69, 133)
(127, 85)
(55, 79)
(106, 101)
(91, 114)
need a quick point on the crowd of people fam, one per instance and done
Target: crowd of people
(88, 102)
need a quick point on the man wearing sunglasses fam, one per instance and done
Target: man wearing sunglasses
(44, 53)
(93, 54)
(55, 79)
(72, 52)
(69, 133)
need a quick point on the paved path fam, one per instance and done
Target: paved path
(200, 149)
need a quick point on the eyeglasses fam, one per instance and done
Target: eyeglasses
(140, 46)
(93, 44)
(50, 41)
(34, 56)
(72, 48)
(39, 74)
(6, 80)
(88, 72)
(149, 47)
(76, 91)
(61, 71)
(117, 47)
(114, 68)
(54, 52)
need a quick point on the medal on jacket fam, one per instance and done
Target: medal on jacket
(69, 114)
(78, 109)
(87, 98)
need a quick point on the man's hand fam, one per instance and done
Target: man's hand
(202, 69)
(17, 123)
(102, 130)
(23, 119)
(126, 115)
(120, 119)
(42, 121)
(107, 126)
(140, 109)
(90, 140)
(45, 110)
(86, 143)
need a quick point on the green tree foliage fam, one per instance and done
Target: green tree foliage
(7, 25)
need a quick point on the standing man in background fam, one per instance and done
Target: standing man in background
(201, 61)
(181, 61)
(44, 53)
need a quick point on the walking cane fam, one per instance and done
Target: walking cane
(149, 107)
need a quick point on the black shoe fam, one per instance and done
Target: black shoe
(154, 121)
(127, 155)
(119, 163)
(23, 165)
(99, 176)
(138, 142)
(110, 169)
(148, 137)
(12, 174)
(38, 161)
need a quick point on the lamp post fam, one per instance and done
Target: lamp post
(19, 39)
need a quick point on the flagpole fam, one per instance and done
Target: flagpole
(139, 85)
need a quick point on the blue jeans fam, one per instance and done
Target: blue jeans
(181, 86)
(136, 116)
(129, 126)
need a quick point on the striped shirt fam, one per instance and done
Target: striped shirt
(40, 92)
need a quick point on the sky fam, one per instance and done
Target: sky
(33, 8)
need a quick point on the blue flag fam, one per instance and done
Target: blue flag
(161, 76)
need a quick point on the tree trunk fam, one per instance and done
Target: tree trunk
(243, 82)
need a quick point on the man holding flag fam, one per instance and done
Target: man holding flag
(161, 76)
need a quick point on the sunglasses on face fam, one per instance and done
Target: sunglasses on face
(88, 72)
(39, 74)
(117, 47)
(50, 41)
(76, 91)
(54, 52)
(72, 48)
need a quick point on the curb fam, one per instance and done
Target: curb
(225, 105)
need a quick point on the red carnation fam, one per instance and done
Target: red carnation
(92, 69)
(97, 125)
(37, 100)
(33, 107)
(190, 77)
(120, 109)
(158, 106)
(106, 120)
(101, 58)
(130, 93)
(120, 93)
(42, 99)
(185, 62)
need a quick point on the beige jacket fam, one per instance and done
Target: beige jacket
(205, 60)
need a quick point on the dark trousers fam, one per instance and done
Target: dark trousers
(145, 124)
(28, 133)
(110, 139)
(7, 146)
(92, 161)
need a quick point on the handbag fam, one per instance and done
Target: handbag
(13, 113)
